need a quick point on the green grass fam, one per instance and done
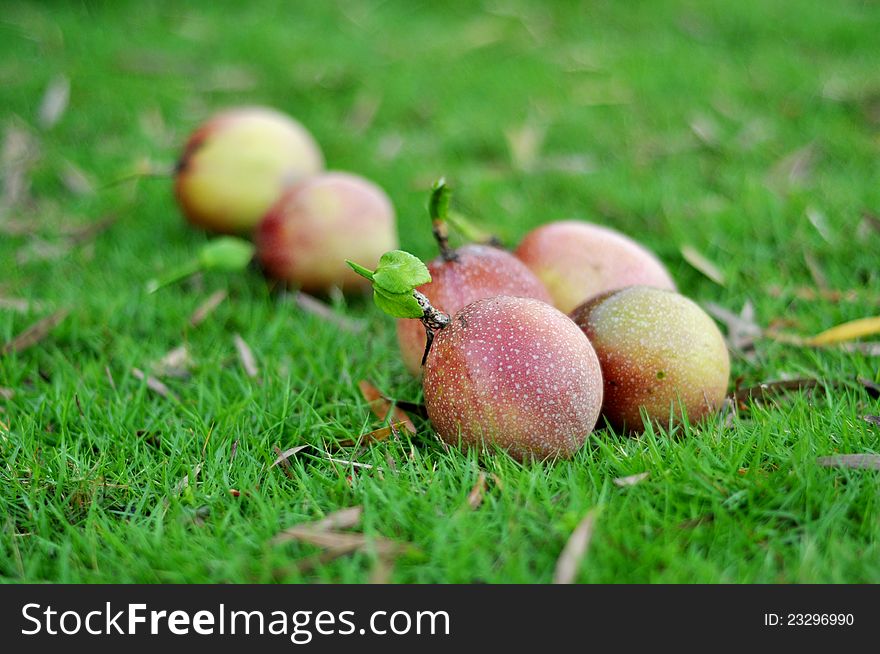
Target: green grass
(92, 457)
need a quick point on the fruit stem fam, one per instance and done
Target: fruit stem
(394, 290)
(438, 209)
(432, 320)
(471, 232)
(153, 173)
(186, 270)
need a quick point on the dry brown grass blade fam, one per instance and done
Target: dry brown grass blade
(785, 337)
(347, 518)
(89, 232)
(285, 464)
(630, 480)
(6, 393)
(350, 462)
(701, 263)
(871, 222)
(19, 153)
(153, 384)
(375, 436)
(310, 563)
(35, 333)
(207, 307)
(855, 461)
(574, 550)
(810, 294)
(525, 143)
(175, 363)
(317, 308)
(286, 454)
(385, 549)
(246, 356)
(153, 125)
(18, 305)
(817, 273)
(76, 180)
(40, 249)
(381, 406)
(331, 540)
(414, 408)
(871, 349)
(819, 221)
(742, 330)
(12, 227)
(697, 522)
(847, 331)
(772, 389)
(728, 412)
(110, 378)
(794, 170)
(706, 129)
(184, 483)
(383, 570)
(475, 497)
(363, 111)
(54, 102)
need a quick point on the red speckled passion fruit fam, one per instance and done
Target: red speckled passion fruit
(515, 373)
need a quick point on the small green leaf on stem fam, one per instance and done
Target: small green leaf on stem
(397, 305)
(226, 253)
(400, 272)
(360, 270)
(394, 281)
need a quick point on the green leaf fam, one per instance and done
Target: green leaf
(400, 272)
(398, 305)
(226, 253)
(360, 270)
(394, 280)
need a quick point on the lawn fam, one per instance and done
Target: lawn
(749, 132)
